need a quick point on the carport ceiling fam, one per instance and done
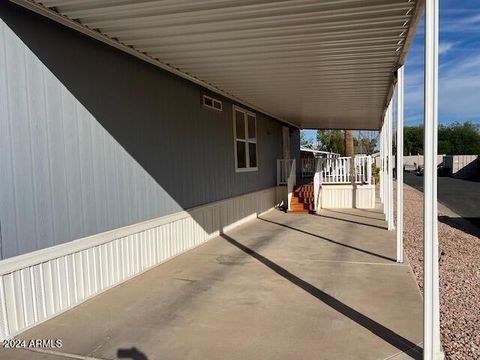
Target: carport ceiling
(315, 64)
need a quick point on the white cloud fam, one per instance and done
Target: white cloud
(467, 25)
(459, 89)
(465, 66)
(459, 72)
(474, 19)
(445, 47)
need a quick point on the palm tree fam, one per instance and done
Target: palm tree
(349, 152)
(348, 143)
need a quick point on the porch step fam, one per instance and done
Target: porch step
(302, 199)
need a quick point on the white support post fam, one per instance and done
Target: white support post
(385, 175)
(391, 224)
(369, 170)
(316, 183)
(382, 179)
(291, 181)
(431, 299)
(385, 166)
(400, 90)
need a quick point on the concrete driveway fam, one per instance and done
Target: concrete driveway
(283, 286)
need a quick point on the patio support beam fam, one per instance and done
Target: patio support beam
(382, 169)
(385, 165)
(400, 91)
(391, 224)
(431, 312)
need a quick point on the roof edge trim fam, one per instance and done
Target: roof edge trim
(412, 30)
(55, 16)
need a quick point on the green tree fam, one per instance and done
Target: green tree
(413, 140)
(454, 139)
(459, 139)
(331, 140)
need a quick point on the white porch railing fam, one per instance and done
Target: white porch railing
(287, 175)
(326, 171)
(308, 167)
(363, 169)
(309, 164)
(291, 182)
(337, 171)
(284, 167)
(317, 182)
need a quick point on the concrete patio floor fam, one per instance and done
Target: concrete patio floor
(283, 286)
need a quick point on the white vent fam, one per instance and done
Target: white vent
(212, 103)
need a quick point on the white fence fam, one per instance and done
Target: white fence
(409, 161)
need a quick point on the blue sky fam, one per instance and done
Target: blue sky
(459, 66)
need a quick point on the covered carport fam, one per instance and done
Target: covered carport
(327, 65)
(278, 287)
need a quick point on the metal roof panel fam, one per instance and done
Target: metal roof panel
(314, 64)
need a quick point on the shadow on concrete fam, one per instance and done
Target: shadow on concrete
(376, 328)
(351, 221)
(330, 240)
(132, 353)
(372, 211)
(356, 215)
(468, 225)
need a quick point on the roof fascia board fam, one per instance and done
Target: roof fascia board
(412, 29)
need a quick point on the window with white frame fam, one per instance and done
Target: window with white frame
(212, 103)
(245, 136)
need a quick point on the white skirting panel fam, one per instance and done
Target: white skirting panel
(365, 197)
(336, 196)
(342, 196)
(39, 285)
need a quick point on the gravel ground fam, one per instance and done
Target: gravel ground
(459, 278)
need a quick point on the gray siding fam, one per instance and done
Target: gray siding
(295, 149)
(93, 139)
